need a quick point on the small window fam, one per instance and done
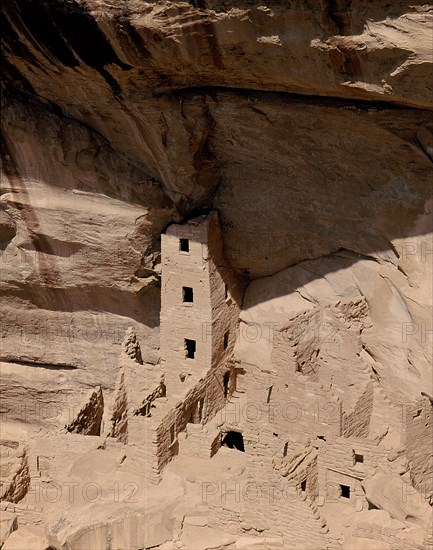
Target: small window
(172, 434)
(190, 348)
(286, 448)
(345, 491)
(184, 245)
(187, 295)
(226, 340)
(226, 292)
(226, 381)
(304, 485)
(359, 459)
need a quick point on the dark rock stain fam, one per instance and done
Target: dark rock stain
(337, 16)
(13, 77)
(47, 270)
(33, 20)
(214, 49)
(345, 61)
(64, 32)
(130, 34)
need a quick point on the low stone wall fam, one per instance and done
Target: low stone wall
(26, 513)
(395, 538)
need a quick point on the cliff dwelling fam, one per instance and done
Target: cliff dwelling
(216, 284)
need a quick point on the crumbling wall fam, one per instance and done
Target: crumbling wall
(119, 418)
(89, 418)
(132, 347)
(386, 417)
(14, 471)
(51, 455)
(138, 386)
(226, 295)
(283, 412)
(144, 408)
(26, 514)
(297, 521)
(301, 469)
(347, 461)
(357, 422)
(396, 539)
(209, 391)
(157, 434)
(199, 441)
(146, 450)
(275, 505)
(291, 407)
(417, 442)
(302, 344)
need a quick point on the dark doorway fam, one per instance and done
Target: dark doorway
(190, 347)
(233, 440)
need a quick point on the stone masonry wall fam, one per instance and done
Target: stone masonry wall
(180, 321)
(338, 465)
(357, 423)
(418, 436)
(157, 435)
(292, 407)
(210, 319)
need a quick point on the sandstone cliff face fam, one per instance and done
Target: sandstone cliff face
(307, 124)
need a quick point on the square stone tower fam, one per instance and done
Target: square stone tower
(199, 302)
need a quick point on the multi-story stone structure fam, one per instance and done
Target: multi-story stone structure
(199, 303)
(199, 314)
(310, 446)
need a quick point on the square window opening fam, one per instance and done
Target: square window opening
(345, 491)
(190, 348)
(187, 295)
(359, 459)
(184, 245)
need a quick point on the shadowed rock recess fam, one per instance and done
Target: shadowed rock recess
(216, 275)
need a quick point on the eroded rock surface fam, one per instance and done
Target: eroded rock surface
(308, 126)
